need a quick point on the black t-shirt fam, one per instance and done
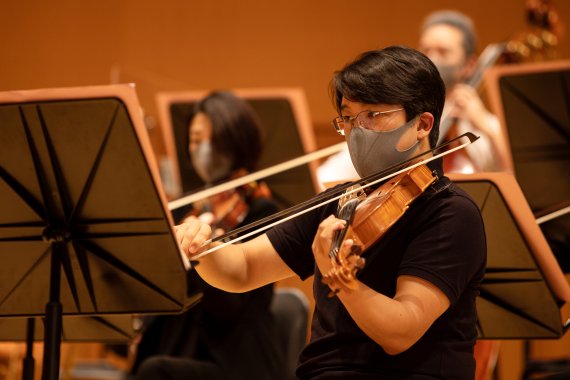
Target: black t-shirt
(441, 239)
(235, 331)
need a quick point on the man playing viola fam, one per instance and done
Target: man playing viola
(410, 313)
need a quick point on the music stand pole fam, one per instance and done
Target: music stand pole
(29, 362)
(52, 337)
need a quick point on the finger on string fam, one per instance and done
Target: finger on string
(330, 219)
(334, 223)
(339, 225)
(326, 223)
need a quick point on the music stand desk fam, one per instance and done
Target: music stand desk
(84, 227)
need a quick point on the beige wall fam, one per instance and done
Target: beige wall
(188, 44)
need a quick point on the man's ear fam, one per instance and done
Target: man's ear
(425, 125)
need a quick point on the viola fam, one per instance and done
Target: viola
(223, 211)
(226, 210)
(368, 218)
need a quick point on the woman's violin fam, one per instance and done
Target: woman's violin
(226, 210)
(368, 217)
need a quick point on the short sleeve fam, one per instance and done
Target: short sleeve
(293, 239)
(450, 250)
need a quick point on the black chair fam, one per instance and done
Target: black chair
(290, 308)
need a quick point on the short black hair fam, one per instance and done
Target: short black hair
(236, 129)
(393, 75)
(459, 21)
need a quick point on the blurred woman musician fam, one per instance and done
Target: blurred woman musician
(227, 335)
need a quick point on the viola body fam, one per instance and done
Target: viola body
(385, 205)
(369, 221)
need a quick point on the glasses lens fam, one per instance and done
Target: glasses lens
(338, 124)
(365, 120)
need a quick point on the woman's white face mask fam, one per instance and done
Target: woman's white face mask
(210, 165)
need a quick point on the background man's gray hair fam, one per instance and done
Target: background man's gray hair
(457, 20)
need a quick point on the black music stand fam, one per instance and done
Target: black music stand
(524, 294)
(533, 102)
(75, 329)
(84, 229)
(284, 116)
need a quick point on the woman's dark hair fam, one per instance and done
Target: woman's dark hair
(236, 129)
(394, 75)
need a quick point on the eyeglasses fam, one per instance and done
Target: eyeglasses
(364, 119)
